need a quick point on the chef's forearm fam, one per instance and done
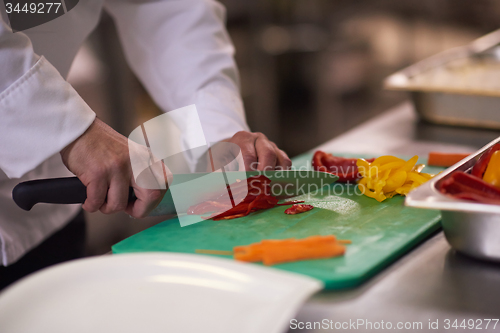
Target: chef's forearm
(40, 112)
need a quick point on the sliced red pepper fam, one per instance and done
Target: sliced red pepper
(258, 197)
(481, 164)
(297, 209)
(345, 168)
(461, 185)
(263, 201)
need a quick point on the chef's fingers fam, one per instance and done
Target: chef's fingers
(284, 161)
(147, 200)
(266, 153)
(246, 141)
(96, 195)
(117, 198)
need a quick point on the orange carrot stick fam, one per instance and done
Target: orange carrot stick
(444, 159)
(250, 253)
(274, 251)
(301, 252)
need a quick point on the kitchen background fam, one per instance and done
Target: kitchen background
(310, 70)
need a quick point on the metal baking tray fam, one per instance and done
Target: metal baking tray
(468, 96)
(470, 227)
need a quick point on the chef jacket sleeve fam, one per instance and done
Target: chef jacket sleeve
(181, 52)
(40, 113)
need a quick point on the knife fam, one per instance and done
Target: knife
(184, 191)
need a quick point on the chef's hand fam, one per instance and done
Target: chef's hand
(259, 153)
(100, 159)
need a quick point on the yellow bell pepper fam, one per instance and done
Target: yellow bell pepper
(388, 175)
(395, 181)
(492, 173)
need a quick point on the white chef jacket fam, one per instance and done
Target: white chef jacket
(180, 51)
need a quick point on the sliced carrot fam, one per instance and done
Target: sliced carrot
(274, 251)
(301, 252)
(445, 159)
(251, 253)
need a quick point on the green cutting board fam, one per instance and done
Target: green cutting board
(380, 232)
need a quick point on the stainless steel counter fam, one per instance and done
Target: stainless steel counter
(432, 282)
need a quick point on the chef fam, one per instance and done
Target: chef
(182, 54)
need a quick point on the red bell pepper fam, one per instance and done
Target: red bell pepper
(345, 168)
(297, 209)
(461, 185)
(258, 197)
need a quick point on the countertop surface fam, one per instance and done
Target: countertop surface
(432, 288)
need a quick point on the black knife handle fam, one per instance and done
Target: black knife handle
(68, 190)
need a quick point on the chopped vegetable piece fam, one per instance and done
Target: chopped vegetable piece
(345, 168)
(445, 159)
(388, 175)
(273, 251)
(297, 209)
(258, 198)
(481, 164)
(461, 185)
(492, 173)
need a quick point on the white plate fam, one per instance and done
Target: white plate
(154, 292)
